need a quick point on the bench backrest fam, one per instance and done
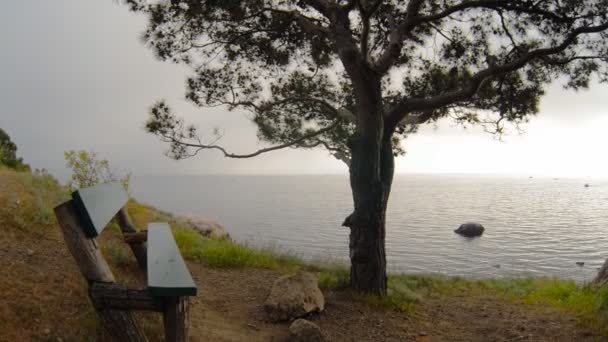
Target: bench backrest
(97, 205)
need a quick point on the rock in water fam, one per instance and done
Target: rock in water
(205, 226)
(293, 296)
(302, 330)
(470, 229)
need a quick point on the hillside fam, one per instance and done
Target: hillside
(44, 297)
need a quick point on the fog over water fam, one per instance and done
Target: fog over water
(534, 226)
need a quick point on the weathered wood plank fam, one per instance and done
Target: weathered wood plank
(137, 247)
(176, 319)
(136, 237)
(98, 204)
(88, 257)
(168, 274)
(122, 325)
(112, 296)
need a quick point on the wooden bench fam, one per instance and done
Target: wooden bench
(169, 283)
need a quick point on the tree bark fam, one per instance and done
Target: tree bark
(371, 173)
(367, 223)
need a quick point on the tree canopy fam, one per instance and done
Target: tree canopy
(287, 62)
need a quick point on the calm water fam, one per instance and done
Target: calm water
(533, 226)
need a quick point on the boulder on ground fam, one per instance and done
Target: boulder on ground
(470, 229)
(302, 330)
(205, 226)
(293, 296)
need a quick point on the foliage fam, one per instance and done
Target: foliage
(8, 153)
(88, 170)
(305, 66)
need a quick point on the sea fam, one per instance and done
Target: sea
(534, 226)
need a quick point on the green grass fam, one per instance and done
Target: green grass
(334, 277)
(44, 187)
(589, 302)
(29, 205)
(223, 253)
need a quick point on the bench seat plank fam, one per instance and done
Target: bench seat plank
(98, 204)
(168, 274)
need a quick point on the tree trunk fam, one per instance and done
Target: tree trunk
(371, 174)
(367, 222)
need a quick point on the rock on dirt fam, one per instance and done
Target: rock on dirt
(205, 226)
(302, 330)
(470, 229)
(293, 296)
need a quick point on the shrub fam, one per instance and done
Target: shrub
(88, 170)
(8, 153)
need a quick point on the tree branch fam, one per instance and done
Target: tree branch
(410, 105)
(199, 146)
(396, 38)
(412, 20)
(336, 152)
(364, 31)
(307, 24)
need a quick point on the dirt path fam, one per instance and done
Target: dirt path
(229, 309)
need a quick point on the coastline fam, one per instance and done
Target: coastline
(236, 278)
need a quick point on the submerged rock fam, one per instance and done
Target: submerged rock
(302, 330)
(293, 296)
(470, 229)
(205, 226)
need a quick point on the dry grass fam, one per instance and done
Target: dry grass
(44, 295)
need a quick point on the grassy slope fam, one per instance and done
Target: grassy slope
(32, 287)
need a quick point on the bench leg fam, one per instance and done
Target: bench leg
(176, 319)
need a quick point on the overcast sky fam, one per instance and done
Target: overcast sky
(74, 75)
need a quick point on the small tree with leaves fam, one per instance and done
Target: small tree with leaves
(357, 76)
(88, 170)
(8, 153)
